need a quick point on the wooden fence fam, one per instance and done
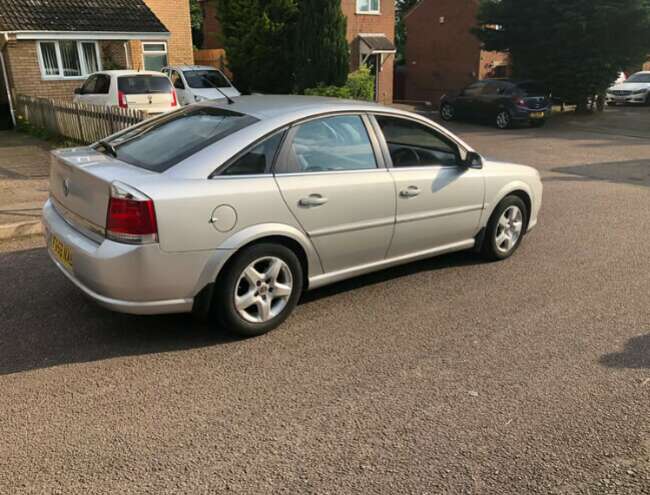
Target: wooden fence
(213, 57)
(78, 122)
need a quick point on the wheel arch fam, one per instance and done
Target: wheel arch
(517, 188)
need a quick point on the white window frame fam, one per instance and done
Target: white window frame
(369, 11)
(164, 52)
(82, 60)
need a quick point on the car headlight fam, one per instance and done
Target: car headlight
(198, 98)
(641, 91)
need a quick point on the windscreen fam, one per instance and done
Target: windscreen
(532, 88)
(143, 84)
(639, 78)
(204, 79)
(163, 142)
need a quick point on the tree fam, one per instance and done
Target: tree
(576, 47)
(258, 37)
(401, 8)
(321, 49)
(196, 21)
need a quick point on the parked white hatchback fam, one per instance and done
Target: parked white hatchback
(149, 91)
(194, 83)
(635, 89)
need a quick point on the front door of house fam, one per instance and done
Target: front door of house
(374, 63)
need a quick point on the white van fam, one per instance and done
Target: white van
(151, 92)
(195, 83)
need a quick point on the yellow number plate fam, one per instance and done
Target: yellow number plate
(537, 115)
(61, 251)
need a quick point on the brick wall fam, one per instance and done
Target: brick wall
(383, 23)
(211, 26)
(175, 15)
(441, 54)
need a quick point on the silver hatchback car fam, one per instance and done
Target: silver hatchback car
(233, 210)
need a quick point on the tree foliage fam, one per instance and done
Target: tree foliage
(321, 49)
(576, 47)
(401, 8)
(359, 86)
(196, 21)
(258, 37)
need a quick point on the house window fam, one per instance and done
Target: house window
(368, 6)
(154, 55)
(68, 59)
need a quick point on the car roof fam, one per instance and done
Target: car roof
(117, 73)
(190, 67)
(511, 80)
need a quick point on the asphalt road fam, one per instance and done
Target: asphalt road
(446, 376)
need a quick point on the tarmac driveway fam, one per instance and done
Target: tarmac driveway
(445, 376)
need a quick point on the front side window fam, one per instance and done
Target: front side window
(203, 79)
(332, 144)
(88, 87)
(154, 55)
(415, 145)
(474, 89)
(163, 142)
(368, 6)
(177, 81)
(68, 59)
(258, 160)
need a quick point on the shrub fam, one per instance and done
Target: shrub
(360, 85)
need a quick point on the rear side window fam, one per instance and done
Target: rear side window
(258, 160)
(163, 142)
(103, 84)
(144, 84)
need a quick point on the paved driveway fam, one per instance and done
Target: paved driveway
(445, 376)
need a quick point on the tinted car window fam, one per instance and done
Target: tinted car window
(163, 142)
(474, 89)
(201, 79)
(332, 144)
(144, 84)
(103, 84)
(258, 160)
(414, 145)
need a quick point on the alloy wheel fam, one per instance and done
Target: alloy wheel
(447, 112)
(263, 289)
(503, 120)
(509, 229)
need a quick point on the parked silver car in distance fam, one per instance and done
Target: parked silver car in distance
(233, 210)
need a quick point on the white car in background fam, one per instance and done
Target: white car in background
(151, 92)
(635, 89)
(194, 83)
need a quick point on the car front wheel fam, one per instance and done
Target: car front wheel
(258, 290)
(447, 112)
(506, 229)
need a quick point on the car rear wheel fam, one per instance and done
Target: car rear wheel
(258, 290)
(503, 120)
(447, 112)
(505, 229)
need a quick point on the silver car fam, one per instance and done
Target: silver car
(233, 210)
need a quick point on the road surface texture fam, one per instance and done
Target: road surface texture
(447, 376)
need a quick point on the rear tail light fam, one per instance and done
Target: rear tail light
(131, 217)
(174, 98)
(121, 100)
(519, 101)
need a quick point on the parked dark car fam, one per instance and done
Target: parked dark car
(503, 102)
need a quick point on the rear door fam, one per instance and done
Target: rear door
(466, 103)
(151, 93)
(333, 180)
(439, 201)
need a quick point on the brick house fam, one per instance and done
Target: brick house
(370, 34)
(49, 47)
(442, 54)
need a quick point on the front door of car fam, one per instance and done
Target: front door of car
(182, 91)
(331, 175)
(439, 200)
(466, 103)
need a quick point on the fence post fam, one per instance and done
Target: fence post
(81, 129)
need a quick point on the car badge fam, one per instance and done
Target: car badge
(66, 187)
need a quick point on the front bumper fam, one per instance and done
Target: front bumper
(126, 278)
(621, 100)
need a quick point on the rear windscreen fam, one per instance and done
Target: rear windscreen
(143, 85)
(165, 141)
(532, 88)
(203, 79)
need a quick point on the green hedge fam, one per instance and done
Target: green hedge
(359, 86)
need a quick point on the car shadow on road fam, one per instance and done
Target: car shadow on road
(635, 355)
(635, 172)
(45, 320)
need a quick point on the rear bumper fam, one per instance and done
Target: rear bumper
(527, 115)
(127, 278)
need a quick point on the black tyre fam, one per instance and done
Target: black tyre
(258, 290)
(506, 229)
(503, 120)
(447, 112)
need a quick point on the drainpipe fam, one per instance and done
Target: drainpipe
(126, 54)
(3, 66)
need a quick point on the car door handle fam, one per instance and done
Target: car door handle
(410, 192)
(313, 200)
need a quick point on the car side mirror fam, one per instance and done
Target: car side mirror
(473, 160)
(77, 91)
